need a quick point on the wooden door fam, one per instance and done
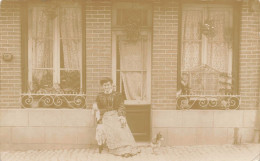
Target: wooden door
(132, 78)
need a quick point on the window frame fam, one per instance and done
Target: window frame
(115, 34)
(144, 30)
(236, 6)
(25, 6)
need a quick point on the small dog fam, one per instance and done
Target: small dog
(156, 141)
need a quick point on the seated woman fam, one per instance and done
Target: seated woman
(112, 128)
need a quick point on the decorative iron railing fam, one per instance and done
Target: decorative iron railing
(208, 101)
(53, 100)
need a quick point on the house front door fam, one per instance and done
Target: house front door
(132, 80)
(131, 56)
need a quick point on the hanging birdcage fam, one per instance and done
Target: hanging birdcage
(208, 28)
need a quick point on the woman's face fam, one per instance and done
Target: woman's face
(107, 87)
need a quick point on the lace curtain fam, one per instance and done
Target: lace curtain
(219, 48)
(191, 56)
(42, 40)
(217, 58)
(219, 53)
(132, 66)
(70, 25)
(42, 36)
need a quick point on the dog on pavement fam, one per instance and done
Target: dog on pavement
(156, 142)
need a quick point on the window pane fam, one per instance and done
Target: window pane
(46, 24)
(133, 68)
(219, 53)
(41, 50)
(42, 23)
(42, 81)
(134, 84)
(70, 48)
(42, 38)
(70, 54)
(191, 38)
(70, 80)
(42, 53)
(191, 57)
(70, 23)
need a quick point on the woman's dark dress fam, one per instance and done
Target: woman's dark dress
(119, 139)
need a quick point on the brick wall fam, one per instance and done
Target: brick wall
(98, 45)
(164, 57)
(250, 58)
(10, 42)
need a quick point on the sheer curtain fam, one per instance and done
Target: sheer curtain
(42, 40)
(192, 47)
(218, 49)
(219, 53)
(70, 25)
(215, 54)
(191, 38)
(133, 57)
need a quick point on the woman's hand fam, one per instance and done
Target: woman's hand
(99, 121)
(94, 107)
(122, 120)
(98, 115)
(96, 111)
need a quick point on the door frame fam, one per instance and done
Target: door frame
(114, 63)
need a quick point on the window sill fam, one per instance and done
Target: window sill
(136, 102)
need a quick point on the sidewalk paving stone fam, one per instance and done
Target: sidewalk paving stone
(244, 152)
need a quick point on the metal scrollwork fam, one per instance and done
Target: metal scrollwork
(203, 102)
(29, 100)
(183, 103)
(26, 100)
(58, 101)
(213, 102)
(79, 100)
(228, 102)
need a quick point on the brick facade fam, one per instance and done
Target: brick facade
(164, 55)
(249, 58)
(98, 45)
(10, 42)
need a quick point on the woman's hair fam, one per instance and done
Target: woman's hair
(105, 80)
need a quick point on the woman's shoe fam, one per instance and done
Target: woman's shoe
(100, 148)
(126, 155)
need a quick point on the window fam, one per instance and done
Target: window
(132, 51)
(53, 55)
(207, 53)
(55, 49)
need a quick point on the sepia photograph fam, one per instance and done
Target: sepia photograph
(129, 80)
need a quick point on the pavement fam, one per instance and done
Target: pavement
(244, 152)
